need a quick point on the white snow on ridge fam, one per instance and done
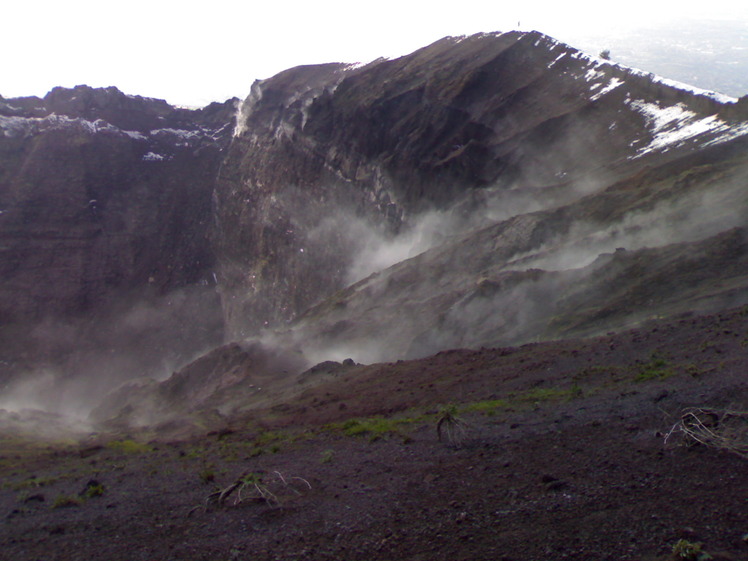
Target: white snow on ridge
(597, 62)
(135, 135)
(673, 125)
(721, 98)
(153, 157)
(14, 127)
(613, 84)
(181, 133)
(352, 66)
(594, 74)
(19, 127)
(555, 60)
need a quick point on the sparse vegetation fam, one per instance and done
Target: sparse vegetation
(327, 456)
(690, 551)
(269, 437)
(657, 368)
(450, 425)
(488, 407)
(550, 394)
(93, 489)
(63, 501)
(129, 446)
(207, 475)
(373, 427)
(34, 482)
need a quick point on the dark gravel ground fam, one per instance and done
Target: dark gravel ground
(562, 456)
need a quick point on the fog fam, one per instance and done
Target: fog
(686, 218)
(78, 361)
(456, 282)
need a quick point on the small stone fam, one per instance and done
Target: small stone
(38, 497)
(556, 485)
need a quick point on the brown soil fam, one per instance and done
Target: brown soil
(571, 464)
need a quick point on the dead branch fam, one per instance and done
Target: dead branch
(722, 429)
(253, 487)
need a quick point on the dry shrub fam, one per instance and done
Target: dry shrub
(273, 489)
(723, 429)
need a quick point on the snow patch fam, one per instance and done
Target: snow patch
(179, 137)
(594, 74)
(674, 125)
(555, 60)
(180, 133)
(613, 84)
(153, 157)
(716, 96)
(15, 127)
(352, 66)
(135, 135)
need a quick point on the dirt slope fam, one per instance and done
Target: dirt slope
(563, 457)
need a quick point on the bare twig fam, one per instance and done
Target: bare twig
(723, 429)
(254, 487)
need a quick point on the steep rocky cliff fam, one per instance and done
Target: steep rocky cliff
(330, 162)
(105, 202)
(487, 190)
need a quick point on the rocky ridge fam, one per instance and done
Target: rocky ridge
(482, 191)
(105, 203)
(473, 129)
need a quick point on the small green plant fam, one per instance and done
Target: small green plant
(129, 446)
(269, 437)
(656, 369)
(93, 489)
(374, 427)
(450, 425)
(548, 394)
(707, 345)
(207, 475)
(34, 482)
(193, 453)
(488, 407)
(327, 456)
(690, 551)
(63, 501)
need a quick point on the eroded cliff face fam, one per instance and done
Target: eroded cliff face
(105, 203)
(670, 240)
(487, 190)
(330, 161)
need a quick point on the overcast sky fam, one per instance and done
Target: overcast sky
(192, 53)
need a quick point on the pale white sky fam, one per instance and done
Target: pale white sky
(192, 53)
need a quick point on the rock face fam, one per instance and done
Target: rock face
(331, 160)
(105, 202)
(665, 241)
(487, 190)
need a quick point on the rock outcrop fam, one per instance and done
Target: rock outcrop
(328, 158)
(105, 204)
(487, 190)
